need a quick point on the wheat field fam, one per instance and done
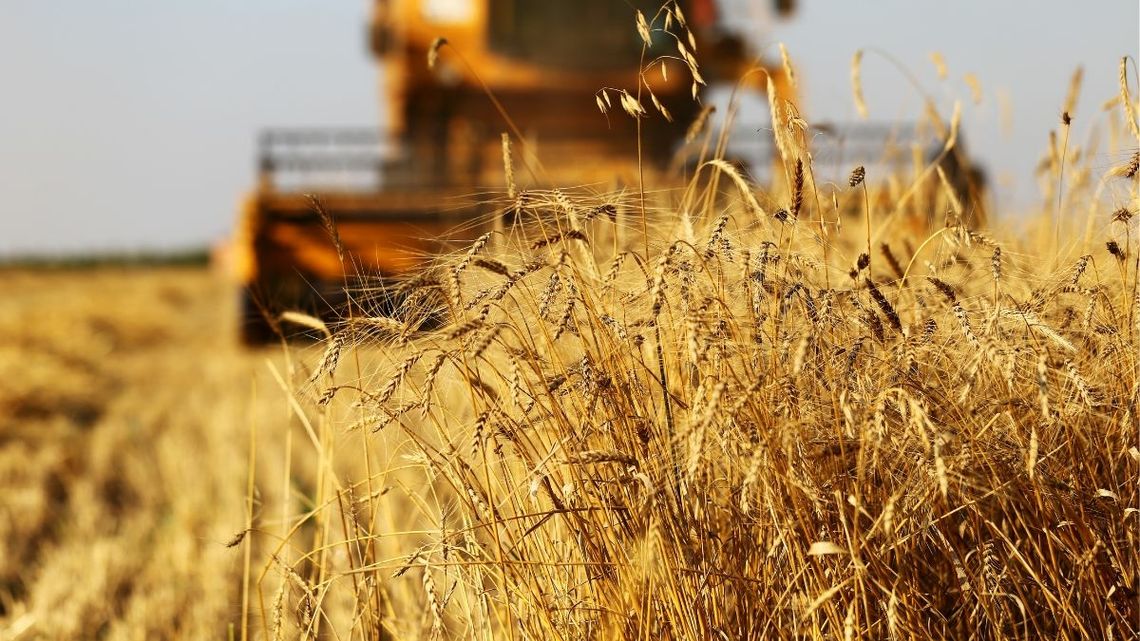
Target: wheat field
(125, 415)
(832, 408)
(857, 406)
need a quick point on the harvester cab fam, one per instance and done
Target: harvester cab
(529, 69)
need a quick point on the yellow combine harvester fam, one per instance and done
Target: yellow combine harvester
(441, 140)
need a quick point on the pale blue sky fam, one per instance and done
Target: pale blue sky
(130, 124)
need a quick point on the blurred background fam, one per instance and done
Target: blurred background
(130, 125)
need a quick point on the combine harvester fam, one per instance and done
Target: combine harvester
(441, 144)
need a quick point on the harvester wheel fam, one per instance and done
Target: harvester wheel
(254, 326)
